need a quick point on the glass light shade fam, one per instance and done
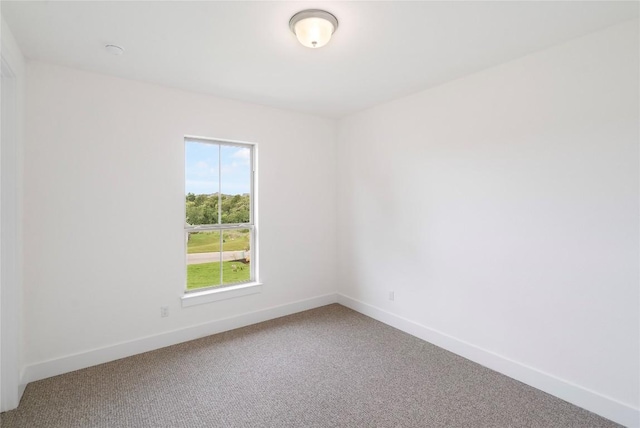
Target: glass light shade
(313, 27)
(313, 32)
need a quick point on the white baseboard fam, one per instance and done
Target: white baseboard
(21, 389)
(575, 394)
(94, 357)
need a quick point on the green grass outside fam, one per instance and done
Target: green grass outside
(207, 242)
(208, 274)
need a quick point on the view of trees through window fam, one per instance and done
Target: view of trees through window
(219, 224)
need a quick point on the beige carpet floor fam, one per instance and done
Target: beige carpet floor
(328, 367)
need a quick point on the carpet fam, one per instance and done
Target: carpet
(327, 367)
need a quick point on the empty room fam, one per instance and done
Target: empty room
(320, 214)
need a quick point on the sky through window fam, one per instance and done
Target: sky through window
(202, 164)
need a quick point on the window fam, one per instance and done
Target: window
(219, 229)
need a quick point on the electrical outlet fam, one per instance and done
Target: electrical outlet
(392, 295)
(164, 311)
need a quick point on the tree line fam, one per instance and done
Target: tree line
(203, 209)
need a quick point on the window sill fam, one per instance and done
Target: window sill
(207, 296)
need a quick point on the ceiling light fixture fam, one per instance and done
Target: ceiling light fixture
(313, 27)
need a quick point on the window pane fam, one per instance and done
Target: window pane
(202, 182)
(203, 259)
(236, 247)
(235, 184)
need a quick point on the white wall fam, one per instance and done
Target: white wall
(104, 208)
(13, 94)
(502, 209)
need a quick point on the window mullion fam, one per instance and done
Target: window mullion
(219, 184)
(205, 227)
(220, 207)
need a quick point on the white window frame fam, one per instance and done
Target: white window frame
(225, 291)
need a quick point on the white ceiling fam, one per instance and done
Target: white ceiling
(245, 51)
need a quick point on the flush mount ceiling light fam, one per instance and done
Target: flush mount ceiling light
(313, 27)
